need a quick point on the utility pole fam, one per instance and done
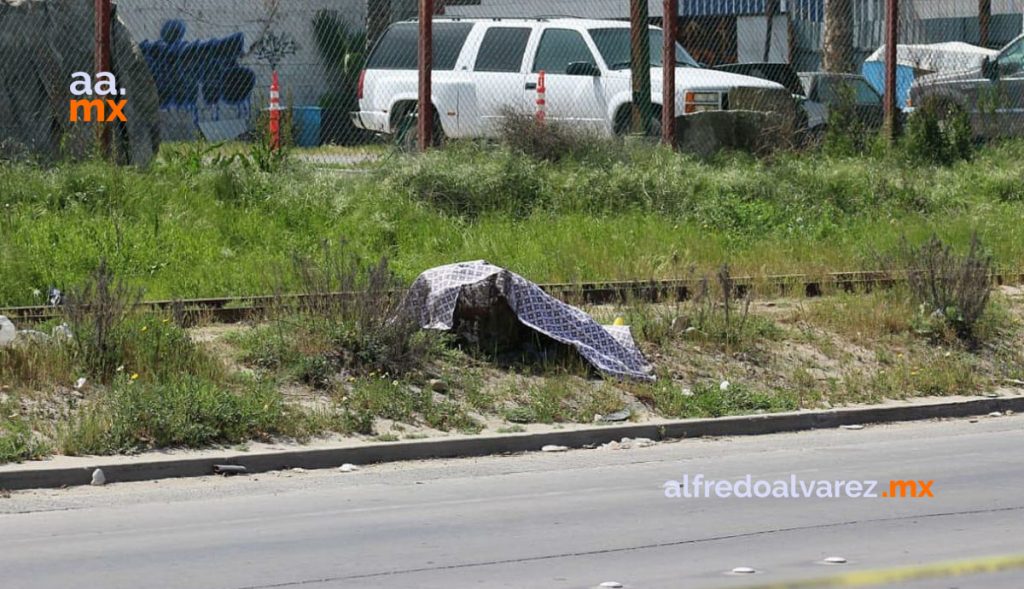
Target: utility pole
(891, 41)
(984, 21)
(425, 107)
(640, 65)
(670, 24)
(103, 64)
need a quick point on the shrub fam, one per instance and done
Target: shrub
(95, 313)
(552, 141)
(938, 132)
(184, 412)
(949, 286)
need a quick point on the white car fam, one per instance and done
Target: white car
(482, 68)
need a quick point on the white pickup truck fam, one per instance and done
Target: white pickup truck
(484, 68)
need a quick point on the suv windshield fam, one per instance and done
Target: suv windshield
(614, 47)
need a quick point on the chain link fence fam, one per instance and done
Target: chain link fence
(349, 78)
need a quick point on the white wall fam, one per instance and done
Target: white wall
(750, 37)
(302, 75)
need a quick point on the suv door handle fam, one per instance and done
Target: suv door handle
(531, 85)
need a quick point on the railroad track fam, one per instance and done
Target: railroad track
(237, 309)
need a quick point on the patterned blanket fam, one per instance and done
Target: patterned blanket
(610, 349)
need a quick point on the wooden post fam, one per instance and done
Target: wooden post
(891, 41)
(640, 64)
(425, 107)
(102, 64)
(984, 21)
(670, 24)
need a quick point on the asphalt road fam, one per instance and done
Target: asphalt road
(573, 519)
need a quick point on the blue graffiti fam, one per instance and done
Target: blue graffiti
(192, 74)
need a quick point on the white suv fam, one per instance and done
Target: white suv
(483, 68)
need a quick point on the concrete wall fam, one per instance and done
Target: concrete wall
(302, 75)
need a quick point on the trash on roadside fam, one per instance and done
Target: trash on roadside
(348, 467)
(98, 478)
(996, 414)
(554, 448)
(617, 416)
(498, 309)
(229, 469)
(853, 426)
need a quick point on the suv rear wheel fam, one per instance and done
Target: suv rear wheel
(407, 130)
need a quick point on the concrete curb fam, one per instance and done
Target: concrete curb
(508, 443)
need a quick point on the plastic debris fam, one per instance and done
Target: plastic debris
(835, 560)
(348, 467)
(617, 416)
(996, 414)
(98, 478)
(228, 469)
(80, 383)
(611, 584)
(853, 426)
(724, 386)
(554, 448)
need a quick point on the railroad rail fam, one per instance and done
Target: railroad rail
(243, 308)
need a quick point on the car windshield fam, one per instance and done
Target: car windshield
(614, 47)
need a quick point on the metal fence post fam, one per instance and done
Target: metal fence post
(984, 20)
(425, 106)
(891, 42)
(640, 64)
(103, 64)
(670, 24)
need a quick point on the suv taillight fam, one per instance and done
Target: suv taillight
(360, 84)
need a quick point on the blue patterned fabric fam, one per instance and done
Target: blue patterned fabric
(610, 349)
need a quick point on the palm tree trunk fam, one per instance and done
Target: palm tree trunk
(837, 52)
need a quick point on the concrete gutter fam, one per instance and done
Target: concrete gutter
(156, 466)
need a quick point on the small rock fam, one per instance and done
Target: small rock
(613, 445)
(437, 385)
(298, 470)
(62, 331)
(553, 448)
(98, 478)
(995, 414)
(835, 560)
(973, 421)
(744, 570)
(8, 332)
(853, 426)
(643, 442)
(1009, 411)
(348, 467)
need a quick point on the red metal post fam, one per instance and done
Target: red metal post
(425, 106)
(103, 64)
(670, 24)
(891, 41)
(542, 101)
(275, 111)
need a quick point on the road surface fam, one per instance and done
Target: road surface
(573, 519)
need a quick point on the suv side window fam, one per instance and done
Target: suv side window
(502, 50)
(560, 47)
(396, 50)
(1012, 60)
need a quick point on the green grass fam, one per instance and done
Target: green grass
(182, 230)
